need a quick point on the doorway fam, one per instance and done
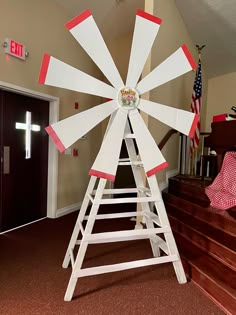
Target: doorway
(24, 159)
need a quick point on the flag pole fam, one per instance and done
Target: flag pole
(199, 50)
(194, 150)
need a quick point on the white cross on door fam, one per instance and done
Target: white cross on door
(28, 128)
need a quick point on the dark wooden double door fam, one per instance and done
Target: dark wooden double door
(24, 159)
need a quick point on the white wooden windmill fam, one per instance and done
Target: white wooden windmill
(124, 107)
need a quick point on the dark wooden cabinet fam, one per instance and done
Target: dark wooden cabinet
(222, 139)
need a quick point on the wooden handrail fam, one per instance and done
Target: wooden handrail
(204, 133)
(166, 138)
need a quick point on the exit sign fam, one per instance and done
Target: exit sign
(14, 48)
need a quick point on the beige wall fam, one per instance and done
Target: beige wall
(40, 26)
(221, 96)
(176, 93)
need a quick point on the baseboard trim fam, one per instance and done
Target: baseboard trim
(69, 209)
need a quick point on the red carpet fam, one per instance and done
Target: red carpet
(33, 282)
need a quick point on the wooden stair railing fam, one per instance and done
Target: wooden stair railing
(165, 139)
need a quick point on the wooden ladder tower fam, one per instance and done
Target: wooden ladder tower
(152, 211)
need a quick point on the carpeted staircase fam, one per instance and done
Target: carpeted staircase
(206, 238)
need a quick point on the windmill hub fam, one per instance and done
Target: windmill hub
(128, 98)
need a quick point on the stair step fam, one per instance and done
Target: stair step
(223, 254)
(193, 190)
(206, 238)
(219, 219)
(214, 279)
(190, 189)
(217, 234)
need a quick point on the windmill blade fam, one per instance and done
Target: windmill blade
(109, 122)
(57, 73)
(179, 63)
(86, 32)
(65, 132)
(151, 156)
(145, 31)
(106, 163)
(179, 119)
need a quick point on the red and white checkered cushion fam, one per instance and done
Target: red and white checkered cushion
(222, 192)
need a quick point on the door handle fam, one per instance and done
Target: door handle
(6, 160)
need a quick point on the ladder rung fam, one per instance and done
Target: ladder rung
(117, 215)
(129, 136)
(117, 239)
(118, 191)
(124, 191)
(124, 234)
(155, 238)
(123, 200)
(124, 160)
(136, 163)
(124, 266)
(127, 161)
(128, 200)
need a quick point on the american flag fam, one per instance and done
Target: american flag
(196, 105)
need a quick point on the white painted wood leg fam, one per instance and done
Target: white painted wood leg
(170, 241)
(153, 238)
(70, 289)
(80, 219)
(84, 244)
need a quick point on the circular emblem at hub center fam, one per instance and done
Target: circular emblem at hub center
(128, 98)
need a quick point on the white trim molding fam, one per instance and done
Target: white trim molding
(69, 209)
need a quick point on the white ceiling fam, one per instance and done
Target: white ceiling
(212, 23)
(113, 17)
(209, 22)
